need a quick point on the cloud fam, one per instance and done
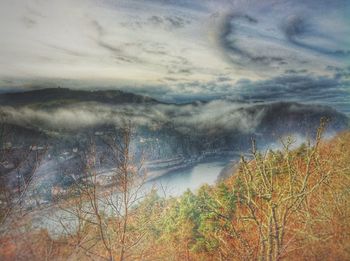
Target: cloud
(247, 42)
(294, 27)
(270, 37)
(305, 88)
(101, 40)
(117, 52)
(215, 119)
(173, 22)
(235, 52)
(291, 86)
(183, 50)
(220, 115)
(297, 30)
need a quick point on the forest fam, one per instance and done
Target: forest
(290, 203)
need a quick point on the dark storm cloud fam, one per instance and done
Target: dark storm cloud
(227, 32)
(269, 34)
(295, 87)
(239, 54)
(296, 28)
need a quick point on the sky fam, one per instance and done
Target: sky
(181, 50)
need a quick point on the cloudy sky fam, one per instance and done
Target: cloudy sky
(181, 49)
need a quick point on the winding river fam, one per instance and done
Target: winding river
(176, 182)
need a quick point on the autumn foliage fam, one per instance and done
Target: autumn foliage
(287, 204)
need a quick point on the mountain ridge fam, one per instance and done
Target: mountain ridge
(54, 96)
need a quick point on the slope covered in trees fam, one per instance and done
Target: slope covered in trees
(287, 204)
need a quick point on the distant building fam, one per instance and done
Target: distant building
(57, 191)
(35, 148)
(144, 140)
(98, 133)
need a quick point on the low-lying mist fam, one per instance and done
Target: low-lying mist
(215, 116)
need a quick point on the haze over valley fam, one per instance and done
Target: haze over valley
(174, 130)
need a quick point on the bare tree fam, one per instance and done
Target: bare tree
(269, 202)
(22, 163)
(105, 210)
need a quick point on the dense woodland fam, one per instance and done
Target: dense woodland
(287, 204)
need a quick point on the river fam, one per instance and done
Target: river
(173, 183)
(176, 182)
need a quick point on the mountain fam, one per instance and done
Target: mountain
(64, 116)
(169, 136)
(56, 97)
(67, 117)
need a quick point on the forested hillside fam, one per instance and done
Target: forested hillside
(287, 204)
